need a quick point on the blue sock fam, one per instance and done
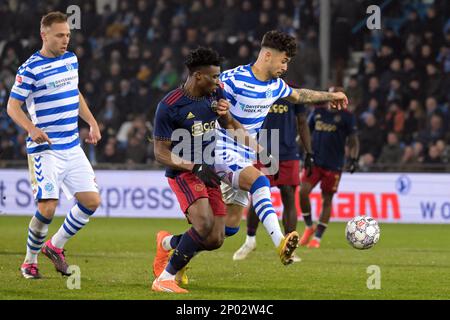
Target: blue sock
(190, 243)
(230, 231)
(262, 202)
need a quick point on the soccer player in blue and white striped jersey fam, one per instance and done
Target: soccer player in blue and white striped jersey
(252, 89)
(48, 85)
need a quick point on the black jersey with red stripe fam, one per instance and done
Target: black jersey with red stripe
(189, 123)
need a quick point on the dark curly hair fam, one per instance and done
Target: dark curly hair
(202, 57)
(280, 41)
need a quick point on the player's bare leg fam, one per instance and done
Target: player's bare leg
(37, 232)
(327, 200)
(289, 212)
(305, 204)
(78, 217)
(250, 240)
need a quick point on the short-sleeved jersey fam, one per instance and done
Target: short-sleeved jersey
(283, 116)
(250, 98)
(330, 130)
(49, 88)
(189, 123)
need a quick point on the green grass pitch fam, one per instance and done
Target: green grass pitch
(115, 257)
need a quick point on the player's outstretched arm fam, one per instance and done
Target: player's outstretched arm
(86, 115)
(14, 110)
(338, 100)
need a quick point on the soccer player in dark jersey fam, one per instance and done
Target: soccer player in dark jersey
(289, 119)
(331, 130)
(184, 134)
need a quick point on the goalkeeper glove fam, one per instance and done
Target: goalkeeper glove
(269, 161)
(309, 163)
(353, 165)
(207, 175)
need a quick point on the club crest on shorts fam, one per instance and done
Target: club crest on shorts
(199, 187)
(49, 187)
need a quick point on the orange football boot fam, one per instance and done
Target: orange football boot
(307, 234)
(167, 286)
(162, 255)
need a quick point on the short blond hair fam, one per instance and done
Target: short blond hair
(53, 17)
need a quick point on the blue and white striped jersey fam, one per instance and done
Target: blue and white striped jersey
(49, 88)
(250, 98)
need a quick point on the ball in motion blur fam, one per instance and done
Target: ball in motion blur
(362, 232)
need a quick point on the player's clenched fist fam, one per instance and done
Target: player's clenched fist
(222, 107)
(340, 101)
(94, 135)
(39, 136)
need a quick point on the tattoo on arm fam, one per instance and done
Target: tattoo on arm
(311, 96)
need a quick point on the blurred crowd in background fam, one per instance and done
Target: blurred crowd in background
(131, 54)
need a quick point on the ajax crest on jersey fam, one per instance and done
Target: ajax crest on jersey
(214, 106)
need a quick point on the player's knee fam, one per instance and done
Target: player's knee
(304, 192)
(205, 227)
(92, 203)
(47, 208)
(215, 242)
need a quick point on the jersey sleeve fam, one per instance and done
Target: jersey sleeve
(229, 89)
(164, 123)
(286, 90)
(23, 85)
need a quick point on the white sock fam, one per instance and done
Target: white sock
(76, 219)
(37, 232)
(166, 276)
(264, 210)
(166, 243)
(250, 240)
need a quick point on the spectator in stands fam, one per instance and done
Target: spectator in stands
(371, 137)
(395, 118)
(414, 121)
(355, 92)
(434, 132)
(392, 151)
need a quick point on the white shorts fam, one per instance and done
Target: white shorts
(228, 165)
(69, 170)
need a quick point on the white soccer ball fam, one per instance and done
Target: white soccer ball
(362, 232)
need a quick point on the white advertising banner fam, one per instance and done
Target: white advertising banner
(389, 197)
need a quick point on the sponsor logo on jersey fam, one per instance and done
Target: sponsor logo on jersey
(199, 128)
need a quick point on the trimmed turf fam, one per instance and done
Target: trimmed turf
(115, 256)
